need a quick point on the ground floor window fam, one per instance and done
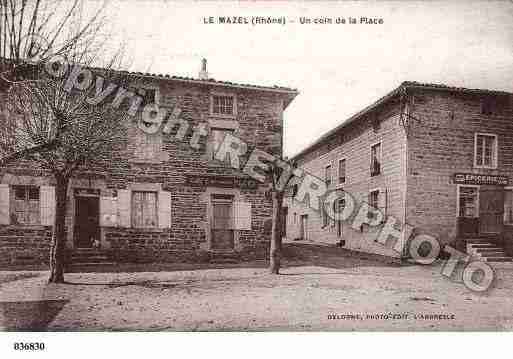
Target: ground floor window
(508, 206)
(468, 202)
(144, 209)
(341, 204)
(26, 207)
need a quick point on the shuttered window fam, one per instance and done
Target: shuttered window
(144, 209)
(25, 205)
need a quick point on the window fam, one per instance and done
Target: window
(295, 188)
(508, 206)
(341, 206)
(216, 139)
(295, 218)
(373, 203)
(468, 202)
(341, 171)
(488, 105)
(147, 147)
(485, 150)
(223, 105)
(327, 175)
(144, 209)
(149, 97)
(375, 159)
(26, 205)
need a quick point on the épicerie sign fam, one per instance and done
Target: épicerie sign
(478, 179)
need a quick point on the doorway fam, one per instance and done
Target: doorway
(222, 224)
(480, 210)
(87, 214)
(491, 210)
(304, 227)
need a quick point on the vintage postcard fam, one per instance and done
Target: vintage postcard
(255, 166)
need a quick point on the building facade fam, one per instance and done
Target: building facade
(159, 199)
(435, 157)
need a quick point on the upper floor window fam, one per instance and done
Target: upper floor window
(488, 106)
(26, 205)
(217, 136)
(373, 202)
(485, 150)
(144, 209)
(147, 147)
(223, 105)
(342, 171)
(149, 96)
(375, 168)
(327, 175)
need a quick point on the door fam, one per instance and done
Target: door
(87, 215)
(468, 211)
(304, 227)
(491, 210)
(222, 226)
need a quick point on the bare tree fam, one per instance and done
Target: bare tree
(88, 136)
(280, 173)
(35, 30)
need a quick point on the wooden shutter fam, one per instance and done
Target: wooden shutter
(108, 212)
(47, 203)
(124, 208)
(164, 211)
(5, 213)
(242, 215)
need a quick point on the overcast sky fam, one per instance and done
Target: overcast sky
(339, 69)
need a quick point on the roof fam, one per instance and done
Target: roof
(390, 95)
(290, 93)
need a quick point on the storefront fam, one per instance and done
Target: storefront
(483, 205)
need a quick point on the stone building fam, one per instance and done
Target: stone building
(435, 157)
(159, 200)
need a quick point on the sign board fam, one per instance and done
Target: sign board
(478, 179)
(220, 181)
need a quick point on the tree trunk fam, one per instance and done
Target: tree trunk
(275, 253)
(59, 231)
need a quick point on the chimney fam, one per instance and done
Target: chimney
(203, 74)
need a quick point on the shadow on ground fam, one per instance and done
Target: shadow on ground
(29, 315)
(294, 255)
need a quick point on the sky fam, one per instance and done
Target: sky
(337, 68)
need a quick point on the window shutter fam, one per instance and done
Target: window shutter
(5, 213)
(124, 208)
(164, 203)
(108, 212)
(47, 203)
(242, 215)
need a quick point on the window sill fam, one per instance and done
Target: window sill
(144, 162)
(485, 167)
(148, 229)
(217, 115)
(27, 226)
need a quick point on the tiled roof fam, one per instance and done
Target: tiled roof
(212, 81)
(388, 96)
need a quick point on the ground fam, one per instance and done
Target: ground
(315, 286)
